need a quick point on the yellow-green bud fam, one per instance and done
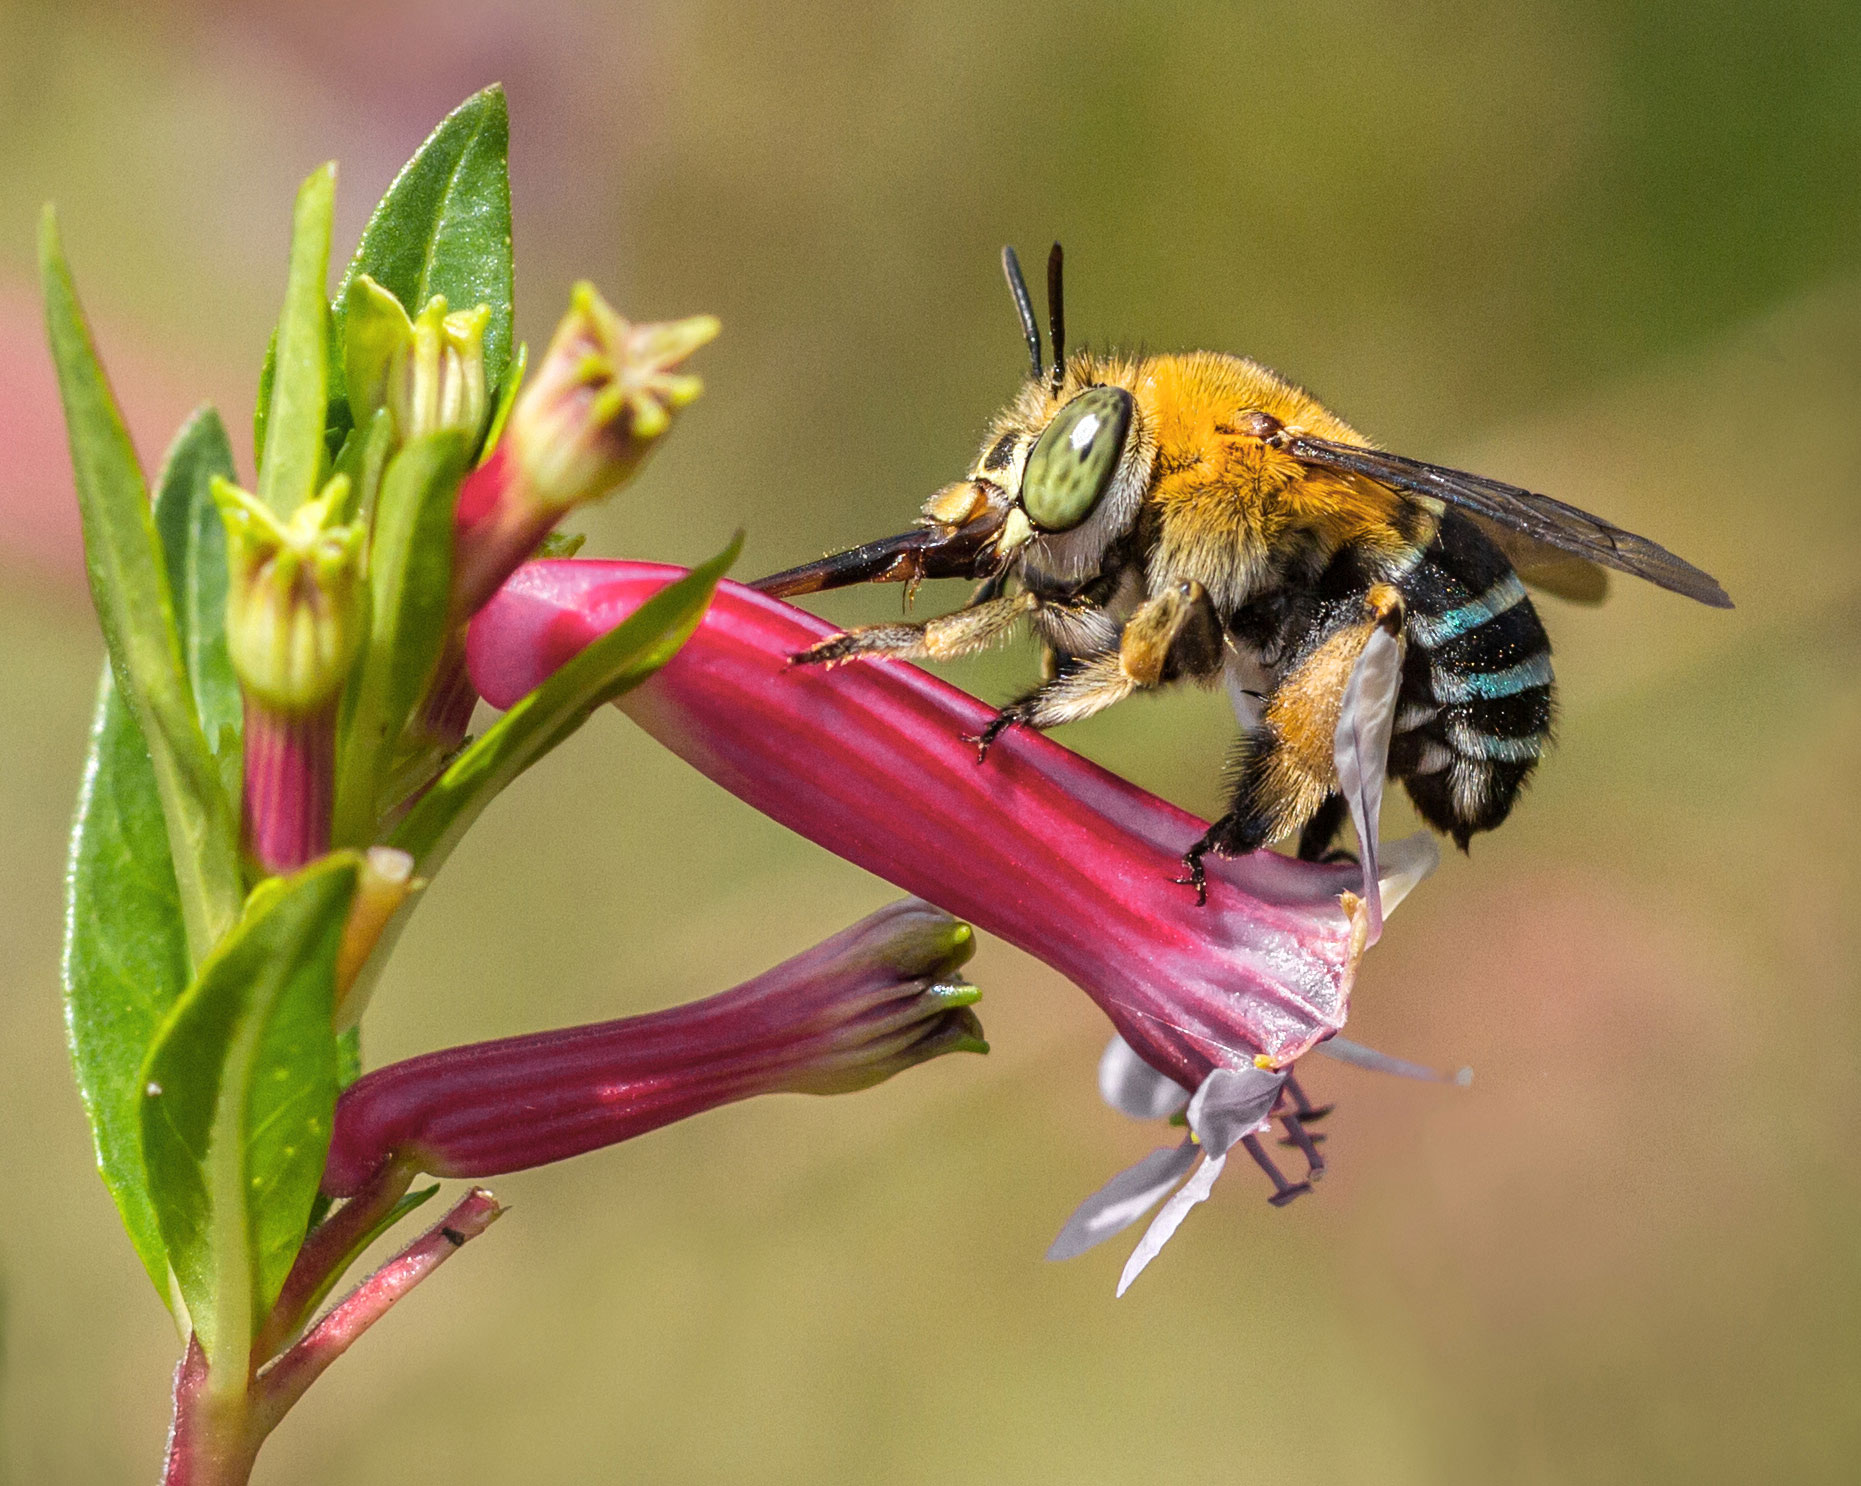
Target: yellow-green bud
(604, 394)
(429, 372)
(294, 600)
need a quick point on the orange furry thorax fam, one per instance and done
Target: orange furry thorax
(1226, 497)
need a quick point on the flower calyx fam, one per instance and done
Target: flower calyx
(294, 603)
(427, 371)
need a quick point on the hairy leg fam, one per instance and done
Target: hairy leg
(1172, 635)
(948, 635)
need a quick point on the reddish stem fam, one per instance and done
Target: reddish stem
(329, 1244)
(284, 1382)
(290, 775)
(210, 1439)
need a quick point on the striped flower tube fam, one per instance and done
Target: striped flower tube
(875, 761)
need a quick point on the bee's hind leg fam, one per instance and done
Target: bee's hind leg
(1318, 834)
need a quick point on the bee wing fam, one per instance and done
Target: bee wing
(1546, 521)
(1573, 579)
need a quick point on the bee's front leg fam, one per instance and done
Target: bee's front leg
(948, 635)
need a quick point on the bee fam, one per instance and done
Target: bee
(1196, 517)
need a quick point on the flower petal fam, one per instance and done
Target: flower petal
(1360, 749)
(1359, 1056)
(1124, 1199)
(1131, 1086)
(1232, 1102)
(1403, 864)
(1163, 1228)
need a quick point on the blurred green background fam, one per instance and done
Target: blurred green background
(1612, 251)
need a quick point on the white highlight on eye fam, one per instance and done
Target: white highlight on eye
(1084, 431)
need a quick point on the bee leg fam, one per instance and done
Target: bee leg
(1080, 690)
(1246, 827)
(1171, 635)
(1322, 829)
(947, 635)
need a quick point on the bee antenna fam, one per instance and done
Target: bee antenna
(1056, 317)
(1017, 286)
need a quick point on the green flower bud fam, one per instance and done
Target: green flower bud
(604, 394)
(429, 372)
(294, 603)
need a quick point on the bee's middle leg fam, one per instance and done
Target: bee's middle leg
(1172, 635)
(1251, 821)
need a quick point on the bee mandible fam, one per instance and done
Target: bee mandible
(1196, 517)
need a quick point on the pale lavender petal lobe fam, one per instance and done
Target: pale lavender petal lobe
(1163, 1227)
(1361, 752)
(1232, 1102)
(1131, 1086)
(1124, 1199)
(1359, 1056)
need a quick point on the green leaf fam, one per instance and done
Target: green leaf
(444, 225)
(238, 1094)
(292, 451)
(614, 664)
(194, 542)
(507, 397)
(410, 582)
(125, 960)
(129, 585)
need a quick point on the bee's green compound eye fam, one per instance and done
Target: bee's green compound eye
(1073, 461)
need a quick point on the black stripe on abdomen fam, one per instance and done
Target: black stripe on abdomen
(1475, 710)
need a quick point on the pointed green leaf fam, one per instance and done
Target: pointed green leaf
(410, 582)
(125, 958)
(375, 329)
(444, 225)
(291, 462)
(507, 397)
(129, 585)
(613, 665)
(194, 543)
(238, 1093)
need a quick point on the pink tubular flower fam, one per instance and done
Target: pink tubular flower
(1036, 845)
(872, 1001)
(876, 762)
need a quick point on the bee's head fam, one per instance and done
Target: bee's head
(1062, 481)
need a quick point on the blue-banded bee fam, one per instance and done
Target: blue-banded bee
(1195, 516)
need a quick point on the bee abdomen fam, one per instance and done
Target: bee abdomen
(1475, 711)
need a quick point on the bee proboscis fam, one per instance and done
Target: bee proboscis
(1197, 517)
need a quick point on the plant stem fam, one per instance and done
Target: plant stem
(211, 1441)
(331, 1243)
(284, 1382)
